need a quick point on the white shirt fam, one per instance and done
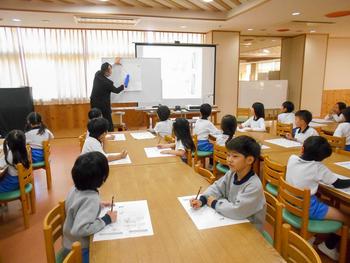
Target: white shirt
(164, 128)
(255, 125)
(92, 145)
(287, 118)
(308, 174)
(35, 140)
(179, 145)
(221, 139)
(343, 130)
(335, 117)
(302, 136)
(11, 170)
(203, 128)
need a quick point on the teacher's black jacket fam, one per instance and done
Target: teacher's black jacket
(101, 92)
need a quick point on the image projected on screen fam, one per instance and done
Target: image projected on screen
(181, 70)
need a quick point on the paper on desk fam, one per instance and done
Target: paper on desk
(315, 124)
(344, 190)
(344, 164)
(264, 147)
(133, 220)
(153, 152)
(125, 160)
(321, 120)
(244, 129)
(206, 217)
(142, 135)
(284, 143)
(119, 137)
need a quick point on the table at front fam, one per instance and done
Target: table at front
(176, 238)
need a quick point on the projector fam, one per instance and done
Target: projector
(193, 107)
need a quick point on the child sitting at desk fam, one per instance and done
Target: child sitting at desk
(239, 193)
(307, 172)
(228, 126)
(303, 130)
(287, 116)
(83, 204)
(97, 113)
(336, 113)
(343, 129)
(165, 125)
(257, 121)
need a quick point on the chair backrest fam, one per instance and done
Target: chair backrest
(335, 142)
(205, 173)
(82, 140)
(74, 255)
(272, 172)
(274, 218)
(189, 157)
(53, 229)
(29, 152)
(169, 139)
(25, 176)
(341, 151)
(297, 202)
(282, 128)
(243, 112)
(297, 249)
(47, 151)
(195, 141)
(220, 154)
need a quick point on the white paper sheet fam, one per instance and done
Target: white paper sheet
(264, 147)
(344, 190)
(321, 120)
(316, 124)
(133, 220)
(119, 137)
(142, 135)
(153, 152)
(246, 129)
(284, 143)
(344, 164)
(206, 217)
(125, 160)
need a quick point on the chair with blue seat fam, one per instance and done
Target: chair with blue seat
(200, 155)
(45, 164)
(220, 160)
(53, 230)
(25, 193)
(272, 171)
(296, 204)
(274, 218)
(74, 255)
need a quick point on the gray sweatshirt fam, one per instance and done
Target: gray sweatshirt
(238, 199)
(82, 217)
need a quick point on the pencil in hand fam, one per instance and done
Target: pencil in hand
(200, 188)
(112, 204)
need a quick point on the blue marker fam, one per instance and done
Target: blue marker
(126, 81)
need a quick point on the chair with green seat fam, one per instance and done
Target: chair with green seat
(272, 171)
(219, 160)
(274, 218)
(53, 230)
(200, 155)
(296, 204)
(25, 193)
(45, 164)
(74, 255)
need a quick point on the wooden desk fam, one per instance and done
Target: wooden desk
(330, 128)
(176, 238)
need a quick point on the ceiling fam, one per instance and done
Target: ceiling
(250, 17)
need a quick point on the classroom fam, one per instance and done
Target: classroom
(174, 131)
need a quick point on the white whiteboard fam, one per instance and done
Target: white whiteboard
(272, 93)
(145, 80)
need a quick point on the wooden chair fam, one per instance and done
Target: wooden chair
(25, 193)
(74, 255)
(219, 160)
(335, 142)
(53, 230)
(296, 213)
(200, 155)
(169, 139)
(282, 129)
(117, 119)
(341, 151)
(205, 173)
(82, 139)
(297, 249)
(45, 164)
(274, 218)
(243, 114)
(272, 172)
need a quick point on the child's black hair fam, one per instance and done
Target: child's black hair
(95, 113)
(205, 110)
(163, 112)
(259, 111)
(90, 171)
(346, 114)
(244, 145)
(182, 132)
(15, 141)
(97, 127)
(288, 105)
(34, 121)
(305, 115)
(341, 106)
(229, 126)
(316, 148)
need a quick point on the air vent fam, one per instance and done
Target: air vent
(105, 20)
(313, 23)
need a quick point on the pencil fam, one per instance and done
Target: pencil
(112, 204)
(200, 188)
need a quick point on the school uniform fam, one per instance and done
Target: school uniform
(35, 141)
(301, 136)
(202, 129)
(91, 144)
(179, 146)
(308, 175)
(9, 182)
(221, 139)
(255, 125)
(82, 219)
(238, 200)
(343, 130)
(164, 128)
(287, 118)
(335, 117)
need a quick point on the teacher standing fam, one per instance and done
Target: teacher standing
(101, 91)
